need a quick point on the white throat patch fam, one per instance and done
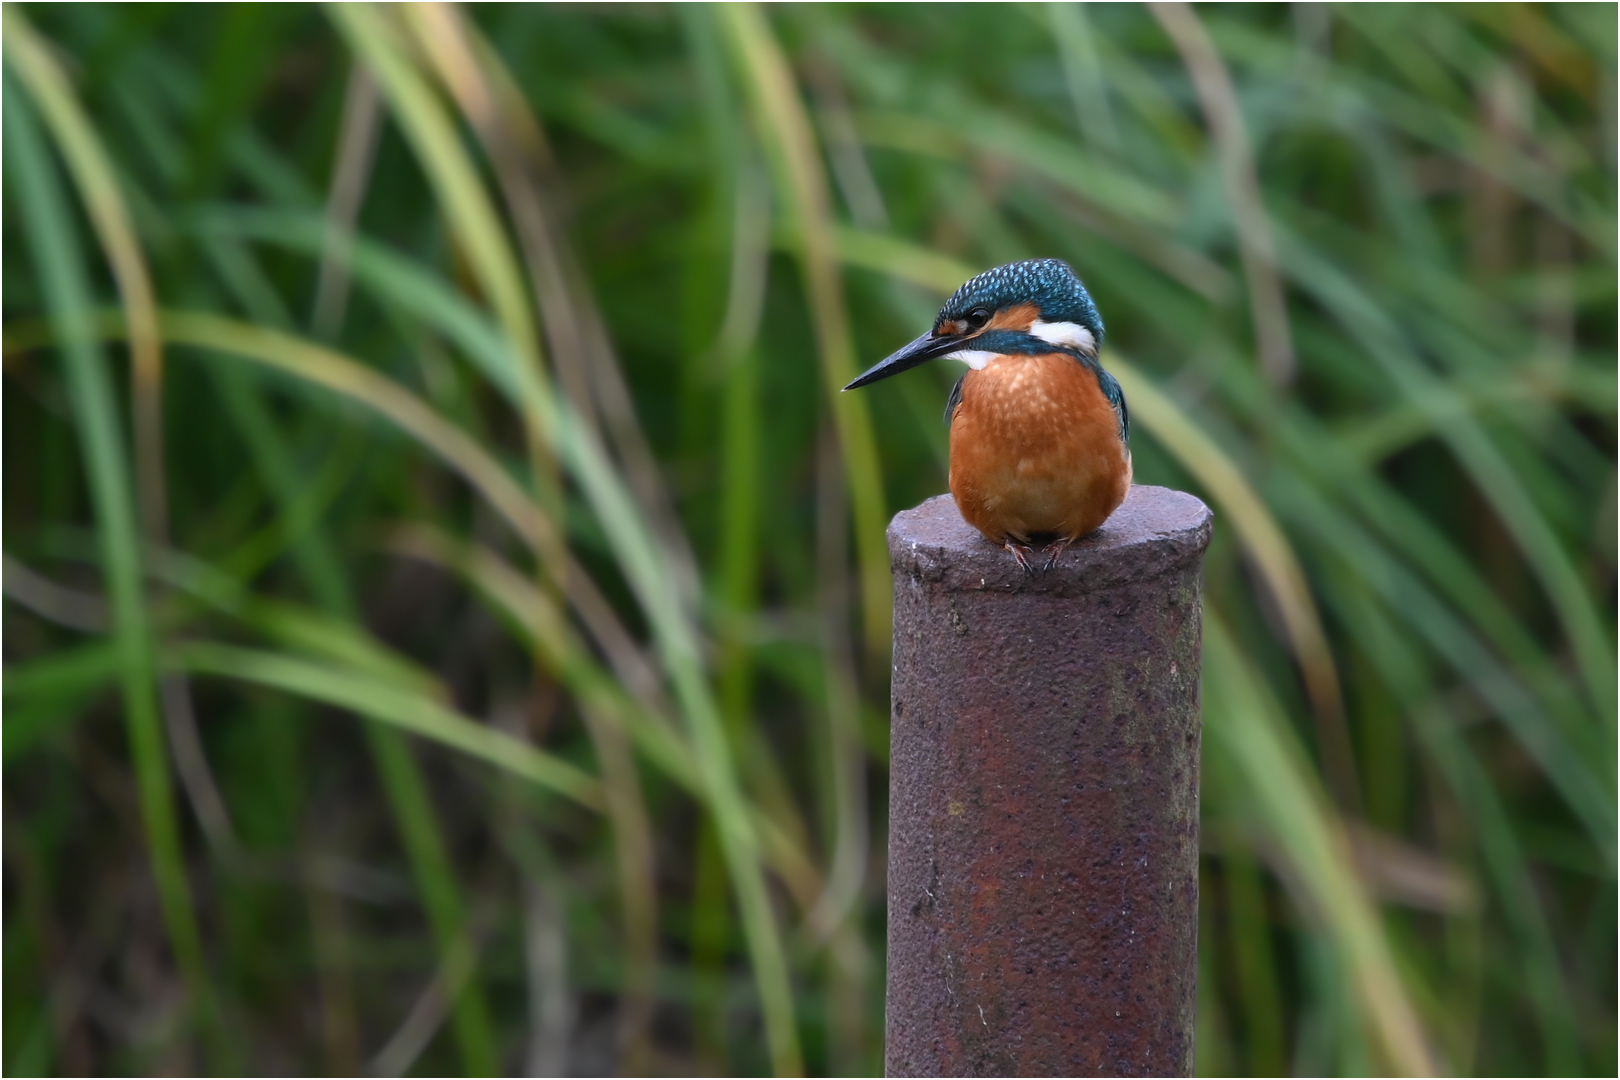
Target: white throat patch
(1065, 333)
(973, 358)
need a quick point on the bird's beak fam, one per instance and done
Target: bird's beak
(924, 348)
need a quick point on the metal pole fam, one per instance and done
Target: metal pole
(1043, 797)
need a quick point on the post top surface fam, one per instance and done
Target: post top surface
(1156, 529)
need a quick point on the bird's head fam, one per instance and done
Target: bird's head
(1035, 306)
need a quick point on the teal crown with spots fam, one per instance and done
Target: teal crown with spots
(1050, 284)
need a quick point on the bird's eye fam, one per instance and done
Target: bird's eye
(978, 317)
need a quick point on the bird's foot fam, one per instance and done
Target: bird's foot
(1054, 551)
(1022, 553)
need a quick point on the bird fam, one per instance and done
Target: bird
(1039, 430)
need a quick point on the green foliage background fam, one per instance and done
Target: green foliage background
(446, 603)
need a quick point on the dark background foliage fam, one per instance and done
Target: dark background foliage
(446, 609)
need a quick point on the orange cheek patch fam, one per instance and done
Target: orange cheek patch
(947, 328)
(1018, 317)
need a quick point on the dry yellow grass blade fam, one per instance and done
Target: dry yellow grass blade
(348, 377)
(472, 218)
(92, 174)
(438, 148)
(608, 717)
(644, 718)
(363, 693)
(580, 349)
(88, 165)
(1213, 84)
(785, 132)
(1316, 852)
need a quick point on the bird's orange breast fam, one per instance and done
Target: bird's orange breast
(1036, 450)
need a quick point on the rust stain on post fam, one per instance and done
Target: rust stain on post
(1043, 816)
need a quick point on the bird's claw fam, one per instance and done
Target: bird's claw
(1024, 554)
(1054, 551)
(1021, 552)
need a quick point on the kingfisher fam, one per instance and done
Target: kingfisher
(1040, 433)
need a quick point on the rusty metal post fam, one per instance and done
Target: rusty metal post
(1043, 797)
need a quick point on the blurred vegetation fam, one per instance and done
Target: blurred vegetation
(446, 603)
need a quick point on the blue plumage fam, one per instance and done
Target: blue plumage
(1050, 284)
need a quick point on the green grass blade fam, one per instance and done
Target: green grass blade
(367, 695)
(51, 692)
(64, 283)
(784, 130)
(407, 792)
(1475, 452)
(678, 648)
(418, 822)
(1503, 855)
(638, 555)
(439, 149)
(1243, 724)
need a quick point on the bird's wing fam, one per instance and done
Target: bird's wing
(1116, 397)
(954, 400)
